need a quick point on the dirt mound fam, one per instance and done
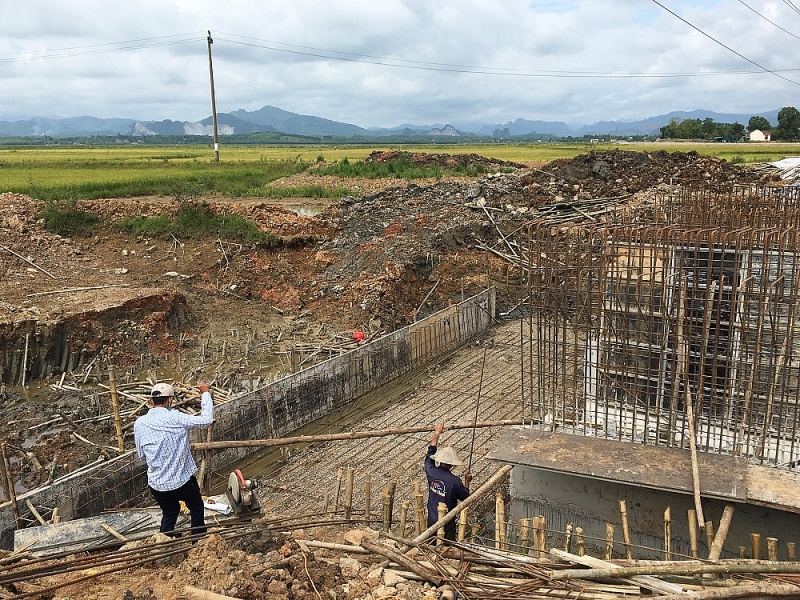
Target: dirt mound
(445, 161)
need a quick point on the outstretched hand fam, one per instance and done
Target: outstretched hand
(439, 428)
(202, 386)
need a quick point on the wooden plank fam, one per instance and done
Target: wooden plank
(654, 467)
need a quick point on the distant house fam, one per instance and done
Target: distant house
(760, 136)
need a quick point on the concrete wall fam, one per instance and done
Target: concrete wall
(272, 411)
(591, 503)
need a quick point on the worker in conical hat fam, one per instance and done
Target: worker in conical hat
(443, 485)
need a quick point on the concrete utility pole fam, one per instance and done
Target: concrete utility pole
(213, 100)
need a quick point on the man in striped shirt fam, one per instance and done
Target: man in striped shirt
(162, 440)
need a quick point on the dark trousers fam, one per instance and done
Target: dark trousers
(169, 502)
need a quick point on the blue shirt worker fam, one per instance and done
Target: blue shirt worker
(443, 486)
(162, 440)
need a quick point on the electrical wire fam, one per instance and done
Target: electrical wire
(713, 39)
(768, 20)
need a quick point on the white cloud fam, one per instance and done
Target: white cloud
(318, 57)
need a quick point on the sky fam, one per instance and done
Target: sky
(384, 63)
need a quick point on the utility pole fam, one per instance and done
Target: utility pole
(213, 100)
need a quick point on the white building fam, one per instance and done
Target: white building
(760, 136)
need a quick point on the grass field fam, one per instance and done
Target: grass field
(72, 173)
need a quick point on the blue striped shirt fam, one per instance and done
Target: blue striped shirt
(162, 440)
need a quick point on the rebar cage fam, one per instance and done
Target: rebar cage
(683, 308)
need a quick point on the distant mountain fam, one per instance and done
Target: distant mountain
(272, 119)
(288, 122)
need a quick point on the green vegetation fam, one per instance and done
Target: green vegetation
(64, 219)
(707, 129)
(197, 223)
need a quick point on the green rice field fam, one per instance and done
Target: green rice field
(81, 172)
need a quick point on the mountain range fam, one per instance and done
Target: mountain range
(272, 119)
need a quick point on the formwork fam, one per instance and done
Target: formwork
(272, 411)
(675, 316)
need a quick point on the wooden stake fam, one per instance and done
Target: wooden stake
(11, 492)
(404, 516)
(742, 551)
(419, 508)
(25, 359)
(755, 545)
(540, 535)
(693, 533)
(524, 535)
(709, 527)
(326, 501)
(193, 593)
(203, 474)
(336, 491)
(368, 499)
(790, 551)
(722, 533)
(626, 534)
(35, 512)
(463, 518)
(114, 532)
(112, 383)
(55, 517)
(348, 492)
(580, 546)
(499, 522)
(609, 541)
(386, 510)
(772, 549)
(568, 538)
(667, 534)
(441, 512)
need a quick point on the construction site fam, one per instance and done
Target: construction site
(610, 342)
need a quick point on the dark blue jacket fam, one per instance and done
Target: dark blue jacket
(443, 486)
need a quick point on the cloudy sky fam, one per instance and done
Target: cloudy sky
(380, 63)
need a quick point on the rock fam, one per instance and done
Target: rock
(374, 576)
(392, 578)
(384, 592)
(349, 566)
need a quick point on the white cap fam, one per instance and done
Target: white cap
(162, 390)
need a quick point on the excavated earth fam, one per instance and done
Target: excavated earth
(231, 313)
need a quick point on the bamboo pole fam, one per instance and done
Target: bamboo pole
(667, 534)
(772, 549)
(348, 492)
(646, 581)
(524, 535)
(473, 497)
(419, 508)
(25, 359)
(755, 544)
(709, 528)
(500, 522)
(330, 437)
(442, 511)
(404, 516)
(626, 534)
(722, 533)
(692, 514)
(463, 518)
(403, 560)
(35, 513)
(609, 541)
(336, 491)
(386, 516)
(580, 546)
(12, 493)
(675, 568)
(112, 383)
(540, 535)
(203, 475)
(368, 499)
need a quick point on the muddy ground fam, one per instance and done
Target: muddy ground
(242, 315)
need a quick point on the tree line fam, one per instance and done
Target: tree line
(788, 128)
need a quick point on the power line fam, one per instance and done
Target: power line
(386, 61)
(768, 20)
(713, 39)
(791, 5)
(109, 47)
